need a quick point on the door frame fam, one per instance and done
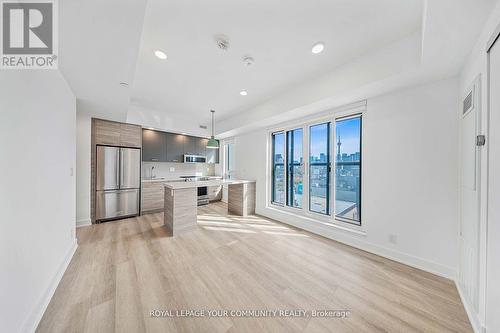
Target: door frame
(494, 39)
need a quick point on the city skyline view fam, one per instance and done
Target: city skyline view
(347, 160)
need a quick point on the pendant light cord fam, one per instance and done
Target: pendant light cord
(213, 129)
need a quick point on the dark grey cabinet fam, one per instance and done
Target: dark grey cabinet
(154, 146)
(175, 147)
(158, 146)
(190, 145)
(201, 146)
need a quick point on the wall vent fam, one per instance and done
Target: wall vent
(468, 103)
(204, 126)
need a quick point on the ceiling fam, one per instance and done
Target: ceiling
(197, 76)
(370, 47)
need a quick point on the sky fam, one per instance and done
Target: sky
(348, 130)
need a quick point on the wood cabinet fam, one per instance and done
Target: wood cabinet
(214, 193)
(130, 135)
(175, 147)
(154, 146)
(106, 132)
(152, 197)
(116, 134)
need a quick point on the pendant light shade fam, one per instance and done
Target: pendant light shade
(212, 143)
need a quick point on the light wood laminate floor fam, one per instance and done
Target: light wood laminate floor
(123, 270)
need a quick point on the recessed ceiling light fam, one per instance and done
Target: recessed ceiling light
(160, 55)
(318, 48)
(243, 93)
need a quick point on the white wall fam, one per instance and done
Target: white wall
(475, 65)
(83, 154)
(410, 177)
(37, 195)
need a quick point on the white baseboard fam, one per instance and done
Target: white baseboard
(83, 223)
(477, 326)
(33, 320)
(360, 243)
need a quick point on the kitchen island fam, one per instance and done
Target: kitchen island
(181, 198)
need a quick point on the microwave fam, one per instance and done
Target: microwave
(195, 159)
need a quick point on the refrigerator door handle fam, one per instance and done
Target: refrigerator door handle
(119, 169)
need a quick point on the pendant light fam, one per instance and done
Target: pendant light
(212, 143)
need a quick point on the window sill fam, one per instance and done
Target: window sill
(328, 222)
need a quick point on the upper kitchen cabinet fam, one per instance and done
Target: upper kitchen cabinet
(175, 147)
(201, 147)
(212, 155)
(154, 146)
(190, 145)
(130, 135)
(106, 132)
(116, 134)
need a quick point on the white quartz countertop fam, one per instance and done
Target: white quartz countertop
(213, 182)
(165, 180)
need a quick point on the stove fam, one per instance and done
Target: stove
(194, 178)
(202, 191)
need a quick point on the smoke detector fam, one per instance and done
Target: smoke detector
(248, 60)
(222, 42)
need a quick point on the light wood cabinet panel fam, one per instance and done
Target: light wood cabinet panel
(152, 197)
(214, 193)
(130, 135)
(106, 132)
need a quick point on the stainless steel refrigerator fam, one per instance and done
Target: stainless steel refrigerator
(118, 179)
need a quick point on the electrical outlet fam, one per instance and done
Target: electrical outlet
(393, 239)
(172, 169)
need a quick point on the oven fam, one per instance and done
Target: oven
(203, 196)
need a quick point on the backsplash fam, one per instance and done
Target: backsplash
(175, 170)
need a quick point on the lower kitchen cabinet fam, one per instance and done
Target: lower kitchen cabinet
(152, 197)
(214, 193)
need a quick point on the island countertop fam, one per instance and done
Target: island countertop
(202, 183)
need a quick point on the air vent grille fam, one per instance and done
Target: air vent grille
(203, 126)
(468, 103)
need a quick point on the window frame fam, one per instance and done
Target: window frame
(328, 164)
(352, 110)
(289, 193)
(339, 218)
(273, 167)
(226, 171)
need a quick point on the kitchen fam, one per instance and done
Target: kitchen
(134, 166)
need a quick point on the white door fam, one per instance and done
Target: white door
(493, 255)
(469, 198)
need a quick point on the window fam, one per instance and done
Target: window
(295, 170)
(278, 172)
(316, 165)
(319, 168)
(229, 160)
(348, 169)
